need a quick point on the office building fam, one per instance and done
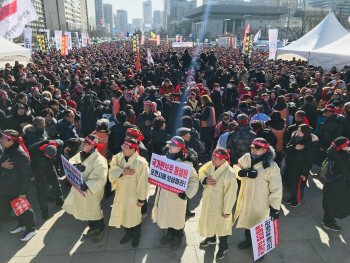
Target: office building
(147, 16)
(341, 8)
(99, 12)
(136, 24)
(108, 15)
(62, 15)
(123, 17)
(157, 18)
(88, 15)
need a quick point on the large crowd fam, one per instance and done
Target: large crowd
(263, 124)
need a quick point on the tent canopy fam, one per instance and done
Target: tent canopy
(335, 54)
(10, 52)
(325, 33)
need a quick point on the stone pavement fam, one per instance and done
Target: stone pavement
(302, 238)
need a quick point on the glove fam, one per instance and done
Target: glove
(84, 187)
(243, 173)
(182, 196)
(252, 174)
(274, 213)
(80, 167)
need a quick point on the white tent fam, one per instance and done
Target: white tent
(11, 52)
(325, 33)
(335, 54)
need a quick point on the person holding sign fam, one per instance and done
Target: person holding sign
(260, 194)
(128, 174)
(16, 174)
(169, 210)
(219, 196)
(93, 167)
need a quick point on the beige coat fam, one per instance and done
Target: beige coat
(217, 199)
(169, 209)
(128, 189)
(256, 195)
(95, 177)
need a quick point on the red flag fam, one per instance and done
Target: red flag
(121, 34)
(8, 10)
(138, 64)
(167, 39)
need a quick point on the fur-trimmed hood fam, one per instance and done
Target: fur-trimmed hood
(29, 128)
(269, 157)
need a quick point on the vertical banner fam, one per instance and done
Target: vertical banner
(88, 40)
(158, 39)
(73, 41)
(83, 40)
(235, 42)
(58, 39)
(47, 44)
(137, 42)
(134, 42)
(231, 41)
(273, 35)
(77, 42)
(181, 39)
(27, 33)
(246, 46)
(251, 39)
(246, 32)
(69, 34)
(265, 237)
(176, 38)
(138, 63)
(64, 50)
(143, 39)
(167, 42)
(42, 42)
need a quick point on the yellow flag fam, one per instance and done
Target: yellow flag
(153, 35)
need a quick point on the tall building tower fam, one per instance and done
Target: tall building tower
(123, 14)
(99, 12)
(147, 15)
(108, 15)
(88, 15)
(157, 18)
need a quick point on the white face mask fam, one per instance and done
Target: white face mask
(58, 96)
(217, 89)
(229, 85)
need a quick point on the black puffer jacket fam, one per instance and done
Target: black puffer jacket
(239, 142)
(15, 181)
(159, 139)
(33, 135)
(66, 129)
(299, 162)
(38, 161)
(336, 196)
(117, 136)
(268, 135)
(146, 130)
(346, 125)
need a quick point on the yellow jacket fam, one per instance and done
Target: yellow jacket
(95, 177)
(217, 199)
(128, 189)
(256, 195)
(169, 209)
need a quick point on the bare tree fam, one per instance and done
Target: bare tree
(339, 8)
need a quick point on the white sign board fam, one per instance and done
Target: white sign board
(273, 36)
(182, 44)
(73, 175)
(265, 237)
(168, 174)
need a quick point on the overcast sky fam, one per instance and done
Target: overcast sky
(134, 7)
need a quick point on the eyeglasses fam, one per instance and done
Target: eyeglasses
(70, 116)
(225, 119)
(125, 147)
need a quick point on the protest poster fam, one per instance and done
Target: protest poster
(64, 45)
(273, 37)
(265, 237)
(168, 174)
(73, 175)
(20, 205)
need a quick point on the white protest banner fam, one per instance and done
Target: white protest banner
(83, 40)
(73, 175)
(168, 174)
(182, 44)
(69, 34)
(77, 42)
(27, 34)
(265, 237)
(273, 36)
(14, 15)
(58, 39)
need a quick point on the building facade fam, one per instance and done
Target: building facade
(99, 12)
(108, 15)
(123, 17)
(147, 16)
(88, 17)
(157, 19)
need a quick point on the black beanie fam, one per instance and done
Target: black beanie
(339, 141)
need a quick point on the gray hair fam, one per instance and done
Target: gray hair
(38, 121)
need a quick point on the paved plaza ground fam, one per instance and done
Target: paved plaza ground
(59, 239)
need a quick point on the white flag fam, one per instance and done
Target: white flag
(149, 57)
(257, 36)
(14, 15)
(273, 36)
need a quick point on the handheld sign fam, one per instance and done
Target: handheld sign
(20, 205)
(265, 237)
(168, 174)
(73, 175)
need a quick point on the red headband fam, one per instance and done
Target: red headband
(245, 122)
(335, 110)
(261, 144)
(132, 145)
(150, 104)
(43, 147)
(21, 142)
(305, 120)
(338, 148)
(139, 135)
(225, 157)
(179, 144)
(3, 93)
(99, 146)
